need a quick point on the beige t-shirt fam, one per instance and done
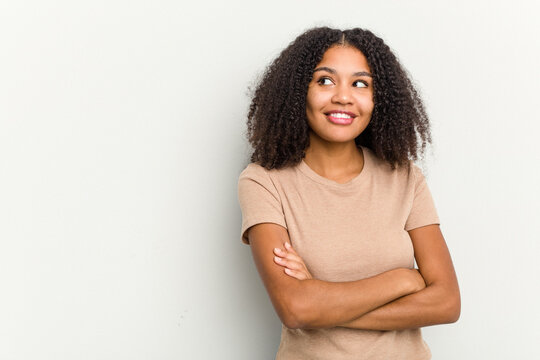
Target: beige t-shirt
(344, 232)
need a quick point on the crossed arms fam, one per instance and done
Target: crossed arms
(396, 299)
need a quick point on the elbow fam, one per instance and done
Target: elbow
(291, 321)
(452, 309)
(294, 313)
(456, 312)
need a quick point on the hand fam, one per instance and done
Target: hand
(292, 262)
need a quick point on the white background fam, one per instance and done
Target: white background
(122, 136)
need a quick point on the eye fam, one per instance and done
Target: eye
(360, 84)
(324, 81)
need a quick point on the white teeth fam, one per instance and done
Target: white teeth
(340, 115)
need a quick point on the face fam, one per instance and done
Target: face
(340, 95)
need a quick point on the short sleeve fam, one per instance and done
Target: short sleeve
(259, 199)
(423, 210)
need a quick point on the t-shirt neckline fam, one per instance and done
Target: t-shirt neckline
(309, 172)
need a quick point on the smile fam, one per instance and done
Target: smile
(340, 117)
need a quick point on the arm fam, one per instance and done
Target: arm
(438, 303)
(314, 303)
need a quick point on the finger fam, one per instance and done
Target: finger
(297, 270)
(291, 254)
(293, 265)
(293, 257)
(288, 246)
(295, 274)
(281, 261)
(282, 252)
(290, 249)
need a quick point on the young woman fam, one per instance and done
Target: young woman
(334, 208)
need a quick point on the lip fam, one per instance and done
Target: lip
(339, 120)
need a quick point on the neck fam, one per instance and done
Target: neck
(334, 160)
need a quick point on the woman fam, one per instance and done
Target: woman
(334, 208)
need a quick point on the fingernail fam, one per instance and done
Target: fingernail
(278, 250)
(278, 259)
(287, 245)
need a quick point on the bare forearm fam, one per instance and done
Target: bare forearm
(321, 304)
(430, 306)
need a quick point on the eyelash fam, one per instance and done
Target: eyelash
(363, 82)
(321, 81)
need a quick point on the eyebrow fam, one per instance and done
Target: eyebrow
(332, 71)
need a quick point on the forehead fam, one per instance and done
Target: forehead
(344, 58)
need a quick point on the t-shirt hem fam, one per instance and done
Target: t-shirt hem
(416, 226)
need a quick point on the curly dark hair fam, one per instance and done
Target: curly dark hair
(277, 126)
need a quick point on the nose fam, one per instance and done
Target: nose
(342, 94)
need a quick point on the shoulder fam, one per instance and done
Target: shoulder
(382, 169)
(416, 174)
(255, 171)
(255, 174)
(255, 177)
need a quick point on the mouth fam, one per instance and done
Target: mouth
(340, 117)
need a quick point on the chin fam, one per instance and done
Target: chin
(339, 139)
(336, 134)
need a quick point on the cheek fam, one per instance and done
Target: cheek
(366, 103)
(311, 107)
(316, 100)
